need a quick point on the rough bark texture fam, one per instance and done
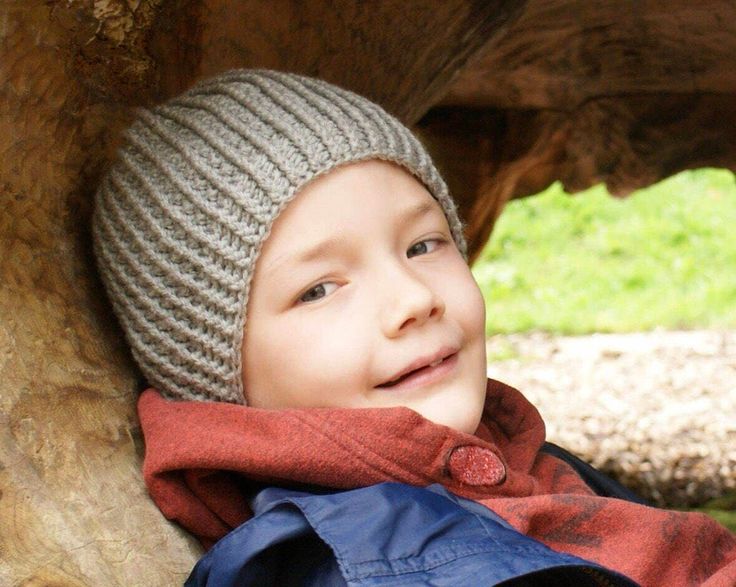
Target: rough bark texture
(589, 92)
(511, 94)
(73, 509)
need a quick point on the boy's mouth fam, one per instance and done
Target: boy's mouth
(422, 366)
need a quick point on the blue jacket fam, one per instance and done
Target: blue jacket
(386, 534)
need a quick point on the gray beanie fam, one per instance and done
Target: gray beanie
(182, 213)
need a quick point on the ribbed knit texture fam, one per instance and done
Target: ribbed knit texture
(182, 213)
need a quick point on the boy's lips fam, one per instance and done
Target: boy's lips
(424, 368)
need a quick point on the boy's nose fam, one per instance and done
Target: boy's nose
(408, 302)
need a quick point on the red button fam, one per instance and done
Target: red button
(475, 465)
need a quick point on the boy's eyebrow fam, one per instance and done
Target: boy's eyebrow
(422, 209)
(334, 243)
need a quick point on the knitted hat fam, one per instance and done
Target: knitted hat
(182, 213)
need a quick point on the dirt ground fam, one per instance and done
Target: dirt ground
(657, 410)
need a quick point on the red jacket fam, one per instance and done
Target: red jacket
(199, 456)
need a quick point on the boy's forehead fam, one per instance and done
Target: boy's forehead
(304, 248)
(308, 233)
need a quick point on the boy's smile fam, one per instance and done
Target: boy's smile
(424, 370)
(360, 298)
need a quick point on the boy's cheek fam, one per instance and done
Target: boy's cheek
(475, 304)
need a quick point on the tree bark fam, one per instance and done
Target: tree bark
(588, 93)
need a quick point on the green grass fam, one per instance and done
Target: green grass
(725, 518)
(723, 509)
(663, 257)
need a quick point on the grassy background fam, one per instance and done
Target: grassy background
(665, 256)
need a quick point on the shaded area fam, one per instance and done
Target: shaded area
(588, 93)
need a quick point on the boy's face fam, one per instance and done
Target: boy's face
(386, 291)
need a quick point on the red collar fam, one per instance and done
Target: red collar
(193, 450)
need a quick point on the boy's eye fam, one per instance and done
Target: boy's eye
(424, 247)
(317, 292)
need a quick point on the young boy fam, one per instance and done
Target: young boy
(290, 273)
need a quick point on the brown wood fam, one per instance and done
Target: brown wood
(560, 54)
(587, 93)
(401, 54)
(73, 508)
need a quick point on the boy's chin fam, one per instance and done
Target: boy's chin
(468, 426)
(461, 412)
(462, 421)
